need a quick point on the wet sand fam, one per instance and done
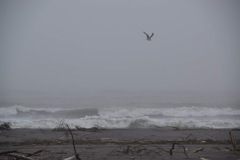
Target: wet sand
(138, 144)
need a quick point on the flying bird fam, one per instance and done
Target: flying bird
(149, 38)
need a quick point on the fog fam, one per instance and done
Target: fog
(66, 46)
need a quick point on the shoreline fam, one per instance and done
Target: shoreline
(215, 143)
(118, 136)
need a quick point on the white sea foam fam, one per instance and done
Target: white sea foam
(120, 117)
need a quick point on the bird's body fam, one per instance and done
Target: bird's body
(149, 38)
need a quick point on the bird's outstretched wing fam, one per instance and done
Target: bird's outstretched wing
(146, 34)
(151, 35)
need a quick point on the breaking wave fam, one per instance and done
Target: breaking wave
(120, 117)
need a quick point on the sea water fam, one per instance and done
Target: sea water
(120, 110)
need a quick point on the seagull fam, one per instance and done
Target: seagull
(148, 37)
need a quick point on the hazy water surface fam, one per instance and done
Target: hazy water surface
(115, 109)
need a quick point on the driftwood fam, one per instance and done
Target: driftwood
(42, 153)
(70, 158)
(134, 150)
(18, 156)
(179, 145)
(139, 150)
(162, 149)
(5, 126)
(234, 144)
(32, 154)
(93, 129)
(198, 150)
(27, 156)
(73, 142)
(21, 155)
(188, 136)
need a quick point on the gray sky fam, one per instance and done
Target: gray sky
(99, 45)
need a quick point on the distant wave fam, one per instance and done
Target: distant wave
(174, 112)
(120, 117)
(21, 111)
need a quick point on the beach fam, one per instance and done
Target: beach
(111, 144)
(119, 80)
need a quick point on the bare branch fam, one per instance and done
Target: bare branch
(179, 145)
(199, 149)
(232, 141)
(73, 142)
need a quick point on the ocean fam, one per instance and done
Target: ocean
(116, 109)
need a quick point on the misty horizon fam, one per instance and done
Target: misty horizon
(84, 46)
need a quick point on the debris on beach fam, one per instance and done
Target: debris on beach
(5, 125)
(92, 129)
(234, 143)
(198, 150)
